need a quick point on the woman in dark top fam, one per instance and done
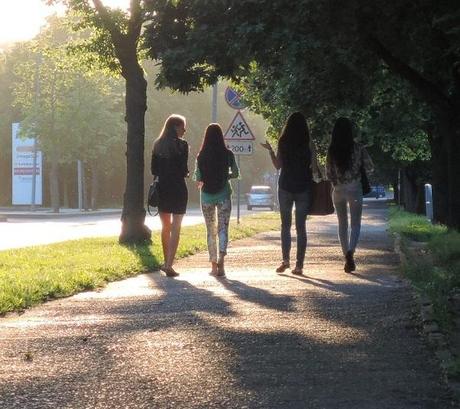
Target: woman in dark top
(215, 165)
(169, 164)
(296, 157)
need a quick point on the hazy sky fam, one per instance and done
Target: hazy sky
(22, 19)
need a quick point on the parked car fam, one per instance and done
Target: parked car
(261, 196)
(377, 191)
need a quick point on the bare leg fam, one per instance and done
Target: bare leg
(173, 239)
(165, 233)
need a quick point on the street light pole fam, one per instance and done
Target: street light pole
(34, 162)
(214, 103)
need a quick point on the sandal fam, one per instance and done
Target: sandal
(220, 269)
(169, 271)
(283, 267)
(298, 271)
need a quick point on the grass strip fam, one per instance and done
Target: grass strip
(433, 265)
(32, 275)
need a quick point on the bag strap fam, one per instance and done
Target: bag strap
(155, 180)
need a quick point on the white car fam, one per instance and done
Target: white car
(261, 196)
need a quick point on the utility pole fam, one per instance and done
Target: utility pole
(214, 103)
(34, 162)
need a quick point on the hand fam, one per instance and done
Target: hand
(199, 184)
(266, 145)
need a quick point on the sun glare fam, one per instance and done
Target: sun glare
(21, 19)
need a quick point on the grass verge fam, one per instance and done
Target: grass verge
(32, 275)
(433, 265)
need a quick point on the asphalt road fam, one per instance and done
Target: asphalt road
(23, 232)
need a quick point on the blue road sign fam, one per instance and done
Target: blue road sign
(233, 99)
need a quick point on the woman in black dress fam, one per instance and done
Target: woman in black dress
(169, 164)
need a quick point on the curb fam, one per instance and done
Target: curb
(430, 327)
(4, 216)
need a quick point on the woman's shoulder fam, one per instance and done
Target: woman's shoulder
(230, 154)
(183, 146)
(182, 143)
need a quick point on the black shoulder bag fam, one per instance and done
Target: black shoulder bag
(153, 197)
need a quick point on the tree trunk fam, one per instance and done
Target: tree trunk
(446, 170)
(65, 186)
(54, 181)
(94, 185)
(133, 229)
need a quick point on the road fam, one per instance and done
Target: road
(22, 232)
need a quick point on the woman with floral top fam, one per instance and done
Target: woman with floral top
(344, 161)
(215, 165)
(296, 158)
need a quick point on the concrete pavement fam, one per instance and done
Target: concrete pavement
(254, 339)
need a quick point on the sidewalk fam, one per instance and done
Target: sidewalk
(252, 340)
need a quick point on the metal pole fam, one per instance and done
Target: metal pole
(214, 103)
(80, 184)
(429, 202)
(34, 162)
(34, 176)
(238, 193)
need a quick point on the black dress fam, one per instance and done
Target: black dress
(171, 170)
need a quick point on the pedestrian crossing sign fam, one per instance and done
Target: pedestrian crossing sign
(239, 130)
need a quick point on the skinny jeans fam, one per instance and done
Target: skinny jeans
(302, 204)
(223, 209)
(349, 195)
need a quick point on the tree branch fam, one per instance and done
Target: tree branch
(107, 21)
(135, 20)
(430, 91)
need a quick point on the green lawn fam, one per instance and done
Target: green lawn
(32, 275)
(434, 268)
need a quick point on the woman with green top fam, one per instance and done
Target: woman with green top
(215, 165)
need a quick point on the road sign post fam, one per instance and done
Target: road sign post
(239, 139)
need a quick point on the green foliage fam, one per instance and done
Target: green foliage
(71, 108)
(33, 275)
(433, 268)
(320, 58)
(413, 226)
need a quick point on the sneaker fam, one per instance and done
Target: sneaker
(283, 267)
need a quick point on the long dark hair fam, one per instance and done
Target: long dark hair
(294, 142)
(342, 144)
(213, 159)
(166, 144)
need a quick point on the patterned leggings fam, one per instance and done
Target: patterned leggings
(224, 209)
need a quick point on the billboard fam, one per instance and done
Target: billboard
(22, 169)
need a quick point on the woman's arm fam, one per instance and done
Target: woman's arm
(184, 159)
(276, 160)
(234, 170)
(315, 168)
(367, 161)
(154, 165)
(330, 170)
(197, 176)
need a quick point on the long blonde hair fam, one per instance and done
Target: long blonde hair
(166, 144)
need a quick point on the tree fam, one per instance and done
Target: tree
(115, 42)
(325, 57)
(70, 108)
